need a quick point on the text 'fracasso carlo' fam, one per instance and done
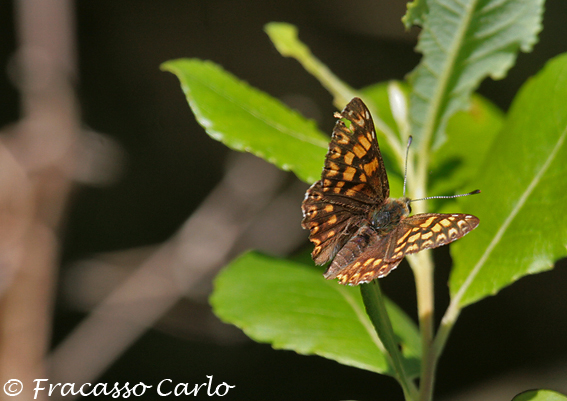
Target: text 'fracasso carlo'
(165, 388)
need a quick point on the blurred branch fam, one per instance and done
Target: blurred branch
(39, 154)
(275, 230)
(181, 264)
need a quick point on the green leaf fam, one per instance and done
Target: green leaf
(376, 309)
(522, 205)
(246, 119)
(457, 161)
(540, 395)
(381, 109)
(462, 42)
(292, 306)
(470, 133)
(415, 14)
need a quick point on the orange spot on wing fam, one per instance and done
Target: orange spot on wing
(349, 156)
(414, 237)
(371, 167)
(436, 228)
(368, 261)
(427, 222)
(349, 173)
(359, 151)
(445, 222)
(364, 142)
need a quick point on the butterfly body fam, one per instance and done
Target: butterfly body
(389, 214)
(352, 220)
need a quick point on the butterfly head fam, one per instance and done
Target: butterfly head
(390, 213)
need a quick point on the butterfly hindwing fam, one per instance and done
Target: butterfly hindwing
(362, 259)
(426, 231)
(330, 225)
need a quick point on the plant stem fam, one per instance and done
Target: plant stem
(284, 37)
(449, 318)
(423, 269)
(422, 265)
(376, 309)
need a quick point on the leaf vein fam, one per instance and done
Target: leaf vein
(501, 231)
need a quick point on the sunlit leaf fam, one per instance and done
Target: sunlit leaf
(417, 9)
(470, 133)
(291, 306)
(524, 193)
(246, 119)
(455, 164)
(540, 395)
(285, 37)
(464, 41)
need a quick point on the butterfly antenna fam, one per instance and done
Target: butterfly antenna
(406, 166)
(476, 191)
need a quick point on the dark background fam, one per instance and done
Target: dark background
(169, 164)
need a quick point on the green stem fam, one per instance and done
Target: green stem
(376, 309)
(423, 269)
(284, 37)
(445, 328)
(422, 265)
(449, 318)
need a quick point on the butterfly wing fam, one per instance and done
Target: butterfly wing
(330, 224)
(362, 258)
(352, 183)
(428, 230)
(354, 169)
(368, 256)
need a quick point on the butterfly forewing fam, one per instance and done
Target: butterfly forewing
(354, 170)
(368, 256)
(352, 183)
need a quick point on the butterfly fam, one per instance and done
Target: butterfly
(351, 218)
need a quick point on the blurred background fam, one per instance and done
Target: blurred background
(117, 210)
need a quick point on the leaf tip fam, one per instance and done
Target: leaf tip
(284, 36)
